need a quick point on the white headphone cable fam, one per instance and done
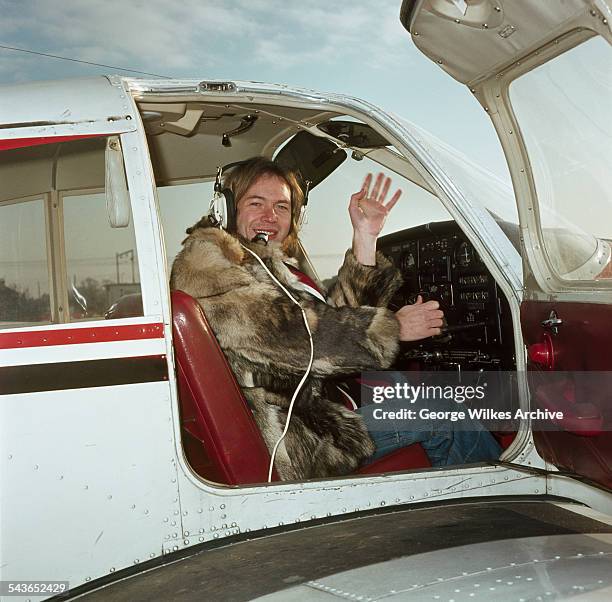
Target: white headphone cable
(301, 383)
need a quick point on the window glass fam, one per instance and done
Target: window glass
(563, 109)
(180, 207)
(24, 272)
(327, 232)
(101, 262)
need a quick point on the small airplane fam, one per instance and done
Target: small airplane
(130, 466)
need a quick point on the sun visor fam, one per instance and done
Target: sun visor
(312, 157)
(354, 134)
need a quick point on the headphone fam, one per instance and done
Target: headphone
(222, 209)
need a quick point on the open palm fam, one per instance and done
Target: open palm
(367, 209)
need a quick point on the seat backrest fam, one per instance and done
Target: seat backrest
(223, 442)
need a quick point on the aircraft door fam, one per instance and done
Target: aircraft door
(562, 171)
(86, 416)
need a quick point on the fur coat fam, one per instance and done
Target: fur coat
(263, 336)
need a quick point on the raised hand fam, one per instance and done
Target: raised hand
(367, 208)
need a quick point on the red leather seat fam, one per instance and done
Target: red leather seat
(221, 439)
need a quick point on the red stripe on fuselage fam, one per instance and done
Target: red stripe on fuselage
(11, 143)
(77, 336)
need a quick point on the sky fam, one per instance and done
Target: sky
(357, 47)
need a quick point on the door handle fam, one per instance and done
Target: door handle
(552, 322)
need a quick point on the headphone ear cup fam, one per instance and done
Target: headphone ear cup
(301, 218)
(223, 209)
(230, 210)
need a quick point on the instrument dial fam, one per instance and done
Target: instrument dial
(408, 262)
(464, 254)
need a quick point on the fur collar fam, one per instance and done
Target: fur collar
(222, 263)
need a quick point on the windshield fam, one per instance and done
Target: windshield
(482, 186)
(563, 108)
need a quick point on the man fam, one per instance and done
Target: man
(262, 333)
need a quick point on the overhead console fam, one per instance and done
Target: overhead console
(438, 262)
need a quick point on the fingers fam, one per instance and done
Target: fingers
(385, 190)
(377, 183)
(394, 199)
(366, 183)
(363, 192)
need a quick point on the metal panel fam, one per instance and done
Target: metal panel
(72, 101)
(83, 489)
(470, 51)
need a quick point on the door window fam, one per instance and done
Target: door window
(101, 262)
(60, 259)
(24, 270)
(563, 108)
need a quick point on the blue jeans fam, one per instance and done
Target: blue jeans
(446, 443)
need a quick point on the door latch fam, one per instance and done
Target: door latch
(553, 322)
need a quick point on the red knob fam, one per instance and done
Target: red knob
(542, 353)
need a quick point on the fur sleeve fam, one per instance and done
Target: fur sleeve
(260, 329)
(359, 284)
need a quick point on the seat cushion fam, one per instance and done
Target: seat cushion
(406, 458)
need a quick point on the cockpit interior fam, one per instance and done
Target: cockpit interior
(333, 152)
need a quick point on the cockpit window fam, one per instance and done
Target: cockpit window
(327, 232)
(563, 110)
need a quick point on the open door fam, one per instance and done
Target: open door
(562, 108)
(544, 75)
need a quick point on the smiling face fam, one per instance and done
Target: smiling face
(265, 207)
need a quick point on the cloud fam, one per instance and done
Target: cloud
(196, 36)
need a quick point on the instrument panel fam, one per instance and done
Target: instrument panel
(438, 262)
